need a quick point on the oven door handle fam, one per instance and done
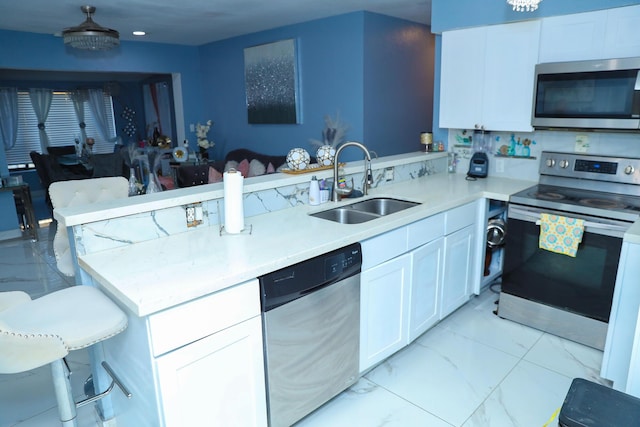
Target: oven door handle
(598, 226)
(590, 226)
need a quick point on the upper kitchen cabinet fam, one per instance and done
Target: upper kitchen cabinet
(487, 77)
(603, 34)
(572, 37)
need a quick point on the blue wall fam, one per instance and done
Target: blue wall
(398, 84)
(360, 65)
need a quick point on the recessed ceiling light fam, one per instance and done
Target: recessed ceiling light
(139, 33)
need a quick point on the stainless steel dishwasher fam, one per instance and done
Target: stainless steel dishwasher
(311, 322)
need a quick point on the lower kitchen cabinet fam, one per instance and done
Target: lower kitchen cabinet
(426, 283)
(384, 310)
(218, 379)
(197, 363)
(458, 268)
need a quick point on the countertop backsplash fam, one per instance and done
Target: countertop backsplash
(599, 143)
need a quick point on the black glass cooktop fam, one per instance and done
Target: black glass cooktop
(607, 205)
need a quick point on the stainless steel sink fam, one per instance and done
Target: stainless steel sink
(382, 206)
(365, 210)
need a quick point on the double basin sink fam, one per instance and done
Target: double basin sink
(364, 211)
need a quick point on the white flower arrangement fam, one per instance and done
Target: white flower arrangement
(201, 135)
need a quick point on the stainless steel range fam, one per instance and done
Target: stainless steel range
(564, 295)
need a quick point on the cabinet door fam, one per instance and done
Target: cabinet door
(426, 278)
(384, 310)
(487, 77)
(623, 318)
(458, 267)
(461, 77)
(573, 37)
(511, 56)
(621, 32)
(216, 380)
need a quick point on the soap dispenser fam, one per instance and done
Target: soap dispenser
(314, 191)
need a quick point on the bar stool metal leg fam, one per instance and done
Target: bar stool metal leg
(66, 404)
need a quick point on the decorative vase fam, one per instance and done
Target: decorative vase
(298, 159)
(325, 155)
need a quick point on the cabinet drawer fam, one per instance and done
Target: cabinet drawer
(460, 217)
(425, 230)
(197, 319)
(382, 248)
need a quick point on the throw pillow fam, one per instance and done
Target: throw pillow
(243, 168)
(214, 175)
(256, 168)
(270, 168)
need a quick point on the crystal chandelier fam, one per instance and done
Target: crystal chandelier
(89, 35)
(524, 5)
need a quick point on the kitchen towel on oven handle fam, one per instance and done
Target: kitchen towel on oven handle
(560, 234)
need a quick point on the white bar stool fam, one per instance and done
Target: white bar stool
(37, 332)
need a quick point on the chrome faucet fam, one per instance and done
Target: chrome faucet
(368, 176)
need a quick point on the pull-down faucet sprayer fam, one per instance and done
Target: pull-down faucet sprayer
(367, 169)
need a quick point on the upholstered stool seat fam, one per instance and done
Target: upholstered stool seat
(77, 193)
(37, 332)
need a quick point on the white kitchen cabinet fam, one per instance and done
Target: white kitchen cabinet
(573, 37)
(621, 32)
(458, 269)
(621, 331)
(218, 379)
(384, 310)
(196, 363)
(487, 77)
(603, 34)
(426, 283)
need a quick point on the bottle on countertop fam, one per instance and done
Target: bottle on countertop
(314, 191)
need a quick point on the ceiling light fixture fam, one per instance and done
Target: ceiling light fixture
(524, 5)
(89, 35)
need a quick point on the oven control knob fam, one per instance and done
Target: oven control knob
(629, 170)
(564, 164)
(550, 163)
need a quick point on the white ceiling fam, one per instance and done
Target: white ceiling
(194, 22)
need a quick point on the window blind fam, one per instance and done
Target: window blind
(61, 126)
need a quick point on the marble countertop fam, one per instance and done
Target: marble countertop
(151, 276)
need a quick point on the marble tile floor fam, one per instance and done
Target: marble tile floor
(473, 369)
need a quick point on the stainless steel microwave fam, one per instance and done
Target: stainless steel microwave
(597, 94)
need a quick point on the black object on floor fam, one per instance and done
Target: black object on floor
(589, 404)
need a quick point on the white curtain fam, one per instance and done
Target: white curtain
(96, 102)
(8, 116)
(41, 102)
(79, 97)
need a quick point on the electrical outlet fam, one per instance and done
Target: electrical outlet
(194, 214)
(499, 165)
(388, 174)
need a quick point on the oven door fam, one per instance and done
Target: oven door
(582, 285)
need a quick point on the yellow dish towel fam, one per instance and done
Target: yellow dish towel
(560, 234)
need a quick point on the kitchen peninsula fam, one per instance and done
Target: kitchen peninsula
(194, 333)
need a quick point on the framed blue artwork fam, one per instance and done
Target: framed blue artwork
(271, 81)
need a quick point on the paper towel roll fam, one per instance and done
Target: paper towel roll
(233, 207)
